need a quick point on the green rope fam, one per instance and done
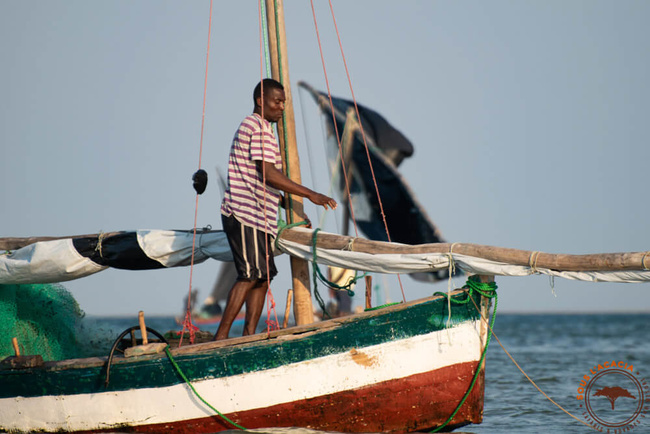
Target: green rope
(284, 116)
(265, 35)
(282, 225)
(382, 306)
(178, 369)
(487, 290)
(323, 279)
(318, 275)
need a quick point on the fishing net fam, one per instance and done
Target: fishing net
(44, 318)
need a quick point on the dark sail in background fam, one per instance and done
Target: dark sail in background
(406, 219)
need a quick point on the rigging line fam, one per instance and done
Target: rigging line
(285, 134)
(338, 138)
(330, 192)
(363, 134)
(188, 314)
(270, 302)
(321, 213)
(356, 107)
(310, 159)
(265, 33)
(485, 320)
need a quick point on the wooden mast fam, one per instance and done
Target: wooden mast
(302, 305)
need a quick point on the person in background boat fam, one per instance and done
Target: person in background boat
(249, 208)
(192, 301)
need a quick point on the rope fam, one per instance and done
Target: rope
(368, 309)
(187, 322)
(284, 117)
(100, 240)
(336, 130)
(487, 290)
(282, 226)
(323, 279)
(530, 379)
(452, 271)
(318, 275)
(265, 34)
(270, 301)
(532, 261)
(363, 134)
(180, 372)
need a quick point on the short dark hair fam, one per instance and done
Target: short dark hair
(268, 83)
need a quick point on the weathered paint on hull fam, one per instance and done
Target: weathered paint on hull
(394, 370)
(412, 399)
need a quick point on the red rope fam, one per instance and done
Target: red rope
(187, 322)
(363, 133)
(336, 130)
(270, 301)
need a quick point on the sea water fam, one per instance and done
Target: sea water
(557, 352)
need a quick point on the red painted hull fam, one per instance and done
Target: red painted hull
(417, 403)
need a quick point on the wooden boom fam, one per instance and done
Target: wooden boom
(14, 243)
(553, 261)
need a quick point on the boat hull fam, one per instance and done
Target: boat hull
(395, 369)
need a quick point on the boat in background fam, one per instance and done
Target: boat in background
(374, 174)
(212, 307)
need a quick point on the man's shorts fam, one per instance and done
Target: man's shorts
(249, 249)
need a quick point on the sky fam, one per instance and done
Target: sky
(529, 122)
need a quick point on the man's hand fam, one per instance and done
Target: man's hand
(321, 199)
(278, 180)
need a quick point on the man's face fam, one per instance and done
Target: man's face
(274, 100)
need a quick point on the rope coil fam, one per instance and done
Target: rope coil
(645, 255)
(347, 286)
(532, 261)
(100, 240)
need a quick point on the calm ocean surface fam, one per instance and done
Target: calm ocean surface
(556, 351)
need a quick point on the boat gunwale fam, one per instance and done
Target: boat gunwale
(295, 332)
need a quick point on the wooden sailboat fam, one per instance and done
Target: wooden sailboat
(406, 367)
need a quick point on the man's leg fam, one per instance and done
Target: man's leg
(254, 306)
(236, 298)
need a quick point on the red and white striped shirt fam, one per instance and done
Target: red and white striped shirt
(253, 203)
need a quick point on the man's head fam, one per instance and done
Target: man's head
(273, 101)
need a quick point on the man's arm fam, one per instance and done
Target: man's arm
(277, 179)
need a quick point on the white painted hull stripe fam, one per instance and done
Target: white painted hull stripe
(298, 381)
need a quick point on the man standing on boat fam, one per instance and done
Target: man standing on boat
(250, 205)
